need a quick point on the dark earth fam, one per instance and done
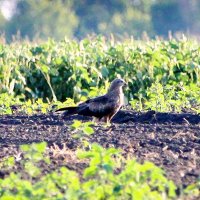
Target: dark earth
(170, 140)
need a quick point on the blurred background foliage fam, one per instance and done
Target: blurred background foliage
(78, 18)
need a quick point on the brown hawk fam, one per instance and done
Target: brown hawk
(102, 107)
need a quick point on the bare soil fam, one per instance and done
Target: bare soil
(170, 140)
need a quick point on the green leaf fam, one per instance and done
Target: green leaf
(90, 171)
(172, 189)
(41, 147)
(104, 72)
(31, 169)
(25, 147)
(76, 124)
(44, 69)
(108, 168)
(84, 154)
(10, 161)
(117, 188)
(88, 130)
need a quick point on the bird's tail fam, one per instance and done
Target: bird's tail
(68, 110)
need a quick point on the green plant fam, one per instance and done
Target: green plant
(135, 181)
(70, 69)
(100, 179)
(169, 98)
(6, 101)
(81, 131)
(108, 175)
(192, 189)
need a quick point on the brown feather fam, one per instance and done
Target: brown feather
(105, 106)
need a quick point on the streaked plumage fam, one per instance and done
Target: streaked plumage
(102, 107)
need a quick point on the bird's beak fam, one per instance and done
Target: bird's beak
(125, 84)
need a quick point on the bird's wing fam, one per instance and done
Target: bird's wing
(99, 106)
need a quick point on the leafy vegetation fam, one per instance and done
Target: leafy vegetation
(100, 180)
(161, 75)
(108, 175)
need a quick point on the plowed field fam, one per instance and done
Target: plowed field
(171, 141)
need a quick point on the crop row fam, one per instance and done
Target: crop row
(57, 70)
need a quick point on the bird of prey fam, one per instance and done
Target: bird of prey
(102, 107)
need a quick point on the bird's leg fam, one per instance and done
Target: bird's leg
(107, 120)
(95, 120)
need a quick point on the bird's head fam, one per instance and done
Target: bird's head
(117, 83)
